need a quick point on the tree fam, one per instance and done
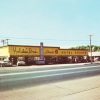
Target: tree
(94, 47)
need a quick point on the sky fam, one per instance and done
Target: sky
(64, 23)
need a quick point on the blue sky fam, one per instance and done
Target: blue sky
(64, 23)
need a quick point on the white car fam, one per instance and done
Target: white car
(21, 63)
(5, 63)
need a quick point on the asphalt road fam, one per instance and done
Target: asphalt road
(31, 77)
(37, 68)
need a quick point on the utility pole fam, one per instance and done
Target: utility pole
(7, 40)
(90, 36)
(3, 42)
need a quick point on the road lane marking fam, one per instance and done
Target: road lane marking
(20, 73)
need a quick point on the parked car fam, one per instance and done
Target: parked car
(5, 63)
(40, 62)
(21, 63)
(1, 63)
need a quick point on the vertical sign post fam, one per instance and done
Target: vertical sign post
(90, 48)
(41, 51)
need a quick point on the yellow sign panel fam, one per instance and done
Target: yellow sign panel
(24, 50)
(73, 52)
(50, 51)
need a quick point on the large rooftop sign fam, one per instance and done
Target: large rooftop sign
(48, 51)
(24, 50)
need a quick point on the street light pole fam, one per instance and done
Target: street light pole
(90, 48)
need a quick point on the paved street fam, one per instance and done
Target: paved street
(77, 89)
(33, 77)
(52, 82)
